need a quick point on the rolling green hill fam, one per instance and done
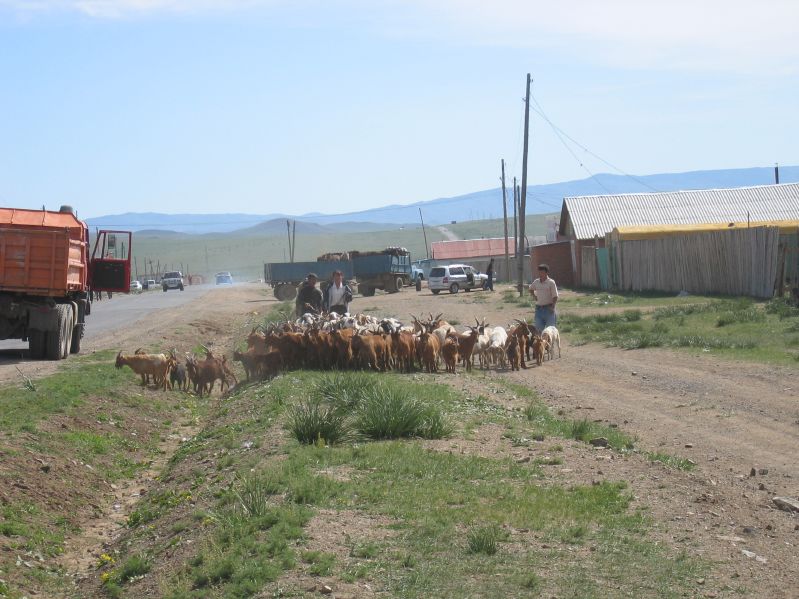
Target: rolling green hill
(244, 252)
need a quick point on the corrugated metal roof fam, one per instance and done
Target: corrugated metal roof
(597, 215)
(470, 248)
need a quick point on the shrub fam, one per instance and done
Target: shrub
(253, 494)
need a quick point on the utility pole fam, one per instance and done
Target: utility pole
(505, 219)
(777, 173)
(523, 205)
(426, 248)
(515, 225)
(288, 234)
(293, 238)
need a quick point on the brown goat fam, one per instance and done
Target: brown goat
(512, 350)
(449, 352)
(404, 347)
(430, 350)
(145, 365)
(539, 349)
(522, 333)
(466, 343)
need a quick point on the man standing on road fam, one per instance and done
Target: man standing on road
(309, 298)
(489, 284)
(546, 296)
(338, 295)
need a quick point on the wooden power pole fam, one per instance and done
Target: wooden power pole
(523, 200)
(505, 219)
(515, 225)
(424, 232)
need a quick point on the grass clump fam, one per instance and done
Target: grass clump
(484, 540)
(671, 461)
(348, 406)
(391, 412)
(315, 421)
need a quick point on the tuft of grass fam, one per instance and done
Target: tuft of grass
(671, 461)
(392, 412)
(314, 421)
(253, 494)
(134, 566)
(484, 540)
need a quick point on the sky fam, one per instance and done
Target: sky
(263, 106)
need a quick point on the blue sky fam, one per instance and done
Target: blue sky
(274, 106)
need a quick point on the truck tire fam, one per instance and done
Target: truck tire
(367, 291)
(285, 292)
(165, 288)
(398, 284)
(77, 331)
(36, 344)
(58, 341)
(419, 283)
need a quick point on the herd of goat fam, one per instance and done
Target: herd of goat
(331, 341)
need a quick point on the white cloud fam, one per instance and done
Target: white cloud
(729, 35)
(114, 9)
(717, 34)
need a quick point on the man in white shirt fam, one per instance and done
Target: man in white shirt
(337, 295)
(546, 296)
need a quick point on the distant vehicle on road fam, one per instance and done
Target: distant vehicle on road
(149, 284)
(135, 286)
(172, 280)
(224, 278)
(455, 277)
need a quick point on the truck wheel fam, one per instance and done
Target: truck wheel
(74, 347)
(285, 292)
(367, 291)
(36, 344)
(164, 289)
(418, 283)
(58, 341)
(181, 286)
(398, 284)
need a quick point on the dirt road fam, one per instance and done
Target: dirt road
(139, 319)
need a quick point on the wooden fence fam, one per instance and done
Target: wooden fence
(731, 262)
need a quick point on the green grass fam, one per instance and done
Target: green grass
(449, 524)
(738, 328)
(79, 378)
(671, 461)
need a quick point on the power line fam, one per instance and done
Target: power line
(558, 131)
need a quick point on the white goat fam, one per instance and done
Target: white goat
(552, 338)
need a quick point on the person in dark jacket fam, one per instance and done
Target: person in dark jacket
(338, 295)
(489, 284)
(309, 298)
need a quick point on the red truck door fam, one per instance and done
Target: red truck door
(109, 269)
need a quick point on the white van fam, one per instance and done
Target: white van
(455, 277)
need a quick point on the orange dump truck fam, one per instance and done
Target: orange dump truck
(47, 277)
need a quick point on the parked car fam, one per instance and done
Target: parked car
(455, 277)
(135, 286)
(224, 278)
(149, 284)
(172, 280)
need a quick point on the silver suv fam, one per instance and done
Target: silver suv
(172, 280)
(455, 277)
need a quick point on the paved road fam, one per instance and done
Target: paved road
(123, 310)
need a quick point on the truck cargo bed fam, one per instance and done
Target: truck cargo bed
(45, 262)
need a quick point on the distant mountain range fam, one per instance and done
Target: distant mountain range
(473, 206)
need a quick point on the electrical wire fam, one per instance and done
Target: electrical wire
(558, 131)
